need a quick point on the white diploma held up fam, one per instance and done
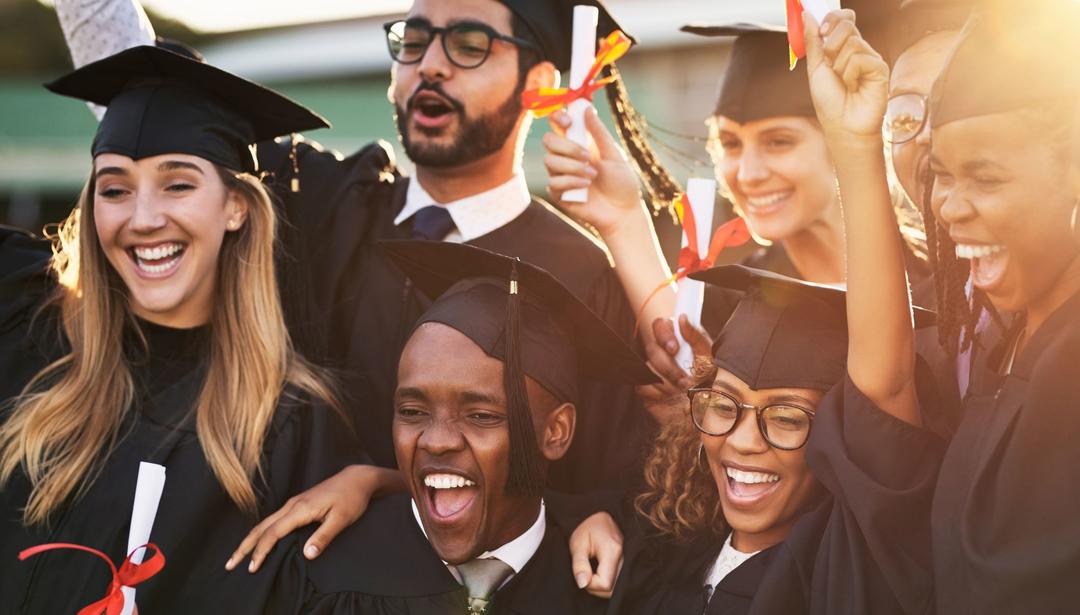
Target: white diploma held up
(817, 8)
(148, 490)
(582, 56)
(691, 293)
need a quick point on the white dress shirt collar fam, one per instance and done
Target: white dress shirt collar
(475, 215)
(515, 553)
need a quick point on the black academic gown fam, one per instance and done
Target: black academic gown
(24, 281)
(861, 548)
(197, 525)
(661, 575)
(355, 310)
(384, 565)
(1006, 532)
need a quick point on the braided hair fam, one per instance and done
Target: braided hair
(957, 316)
(661, 187)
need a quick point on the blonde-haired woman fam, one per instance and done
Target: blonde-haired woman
(154, 332)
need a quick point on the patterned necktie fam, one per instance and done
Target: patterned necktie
(482, 577)
(432, 223)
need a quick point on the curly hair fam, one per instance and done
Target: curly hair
(681, 499)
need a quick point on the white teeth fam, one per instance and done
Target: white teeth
(977, 251)
(751, 477)
(158, 252)
(765, 201)
(447, 481)
(154, 268)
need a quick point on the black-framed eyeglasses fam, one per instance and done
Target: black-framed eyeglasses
(716, 413)
(466, 44)
(905, 117)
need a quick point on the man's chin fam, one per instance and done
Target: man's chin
(455, 549)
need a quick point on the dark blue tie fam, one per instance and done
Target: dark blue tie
(432, 223)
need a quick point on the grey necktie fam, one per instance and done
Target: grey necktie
(482, 577)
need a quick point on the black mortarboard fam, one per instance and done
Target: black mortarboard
(1010, 56)
(552, 24)
(892, 26)
(784, 332)
(758, 83)
(160, 102)
(521, 315)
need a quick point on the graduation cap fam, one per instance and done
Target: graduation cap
(1010, 56)
(893, 26)
(784, 332)
(524, 317)
(161, 102)
(757, 83)
(552, 24)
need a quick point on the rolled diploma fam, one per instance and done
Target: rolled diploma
(818, 8)
(148, 490)
(691, 293)
(582, 56)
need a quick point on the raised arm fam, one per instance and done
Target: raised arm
(95, 29)
(849, 84)
(615, 209)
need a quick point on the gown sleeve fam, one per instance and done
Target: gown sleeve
(95, 29)
(321, 228)
(312, 443)
(866, 547)
(27, 344)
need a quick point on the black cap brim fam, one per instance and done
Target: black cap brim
(269, 113)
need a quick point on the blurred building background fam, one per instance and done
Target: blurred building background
(340, 68)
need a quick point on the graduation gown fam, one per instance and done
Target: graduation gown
(661, 575)
(1006, 533)
(197, 525)
(24, 282)
(361, 309)
(385, 565)
(862, 548)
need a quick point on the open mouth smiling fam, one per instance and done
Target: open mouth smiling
(157, 260)
(450, 495)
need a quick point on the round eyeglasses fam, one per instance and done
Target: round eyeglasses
(466, 44)
(784, 426)
(905, 117)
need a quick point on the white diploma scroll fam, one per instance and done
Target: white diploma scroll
(148, 490)
(582, 56)
(817, 8)
(691, 294)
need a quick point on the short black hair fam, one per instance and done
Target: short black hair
(528, 57)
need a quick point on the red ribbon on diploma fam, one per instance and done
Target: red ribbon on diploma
(795, 35)
(730, 234)
(130, 574)
(545, 101)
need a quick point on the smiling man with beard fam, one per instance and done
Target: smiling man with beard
(459, 69)
(485, 403)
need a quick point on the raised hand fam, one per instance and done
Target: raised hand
(849, 81)
(667, 401)
(614, 192)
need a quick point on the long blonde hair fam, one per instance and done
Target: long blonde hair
(68, 418)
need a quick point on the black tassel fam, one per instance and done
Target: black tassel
(526, 475)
